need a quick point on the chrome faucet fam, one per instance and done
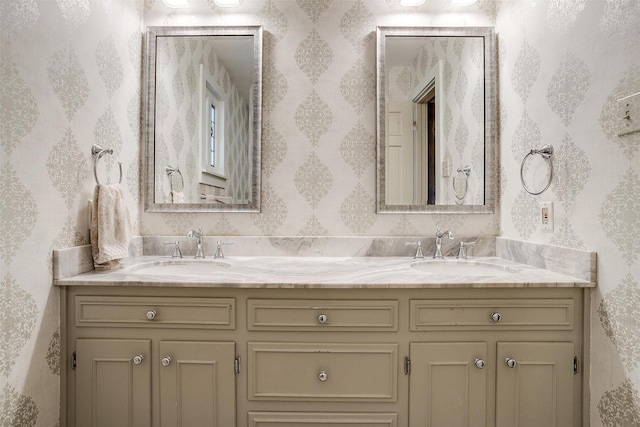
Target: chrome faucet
(219, 254)
(418, 245)
(177, 253)
(439, 236)
(462, 251)
(198, 235)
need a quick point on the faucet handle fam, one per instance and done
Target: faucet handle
(177, 253)
(219, 254)
(419, 253)
(462, 252)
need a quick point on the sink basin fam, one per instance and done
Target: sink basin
(463, 268)
(303, 266)
(203, 268)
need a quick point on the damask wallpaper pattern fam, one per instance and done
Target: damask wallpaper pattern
(70, 76)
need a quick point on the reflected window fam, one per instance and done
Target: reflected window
(213, 138)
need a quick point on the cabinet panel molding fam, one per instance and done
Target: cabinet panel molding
(197, 383)
(448, 384)
(525, 314)
(113, 383)
(322, 315)
(332, 419)
(322, 372)
(536, 388)
(155, 312)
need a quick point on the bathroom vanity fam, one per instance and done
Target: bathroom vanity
(361, 341)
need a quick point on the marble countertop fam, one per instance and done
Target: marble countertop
(325, 272)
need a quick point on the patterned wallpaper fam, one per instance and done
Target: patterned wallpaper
(177, 104)
(563, 65)
(70, 76)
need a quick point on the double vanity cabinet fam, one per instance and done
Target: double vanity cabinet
(163, 353)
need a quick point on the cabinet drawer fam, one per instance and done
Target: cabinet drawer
(334, 419)
(322, 372)
(322, 315)
(214, 313)
(552, 314)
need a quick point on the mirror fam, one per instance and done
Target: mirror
(203, 119)
(436, 119)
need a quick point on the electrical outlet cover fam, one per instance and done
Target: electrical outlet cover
(546, 216)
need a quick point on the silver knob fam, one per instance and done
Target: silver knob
(166, 361)
(495, 316)
(137, 360)
(322, 376)
(512, 363)
(479, 363)
(323, 318)
(151, 314)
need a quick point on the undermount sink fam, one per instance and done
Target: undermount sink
(463, 268)
(304, 266)
(181, 268)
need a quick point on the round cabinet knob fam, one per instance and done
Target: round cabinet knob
(151, 314)
(323, 318)
(479, 363)
(496, 317)
(322, 376)
(512, 363)
(166, 361)
(137, 360)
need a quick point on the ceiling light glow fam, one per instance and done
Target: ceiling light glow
(176, 4)
(227, 3)
(411, 2)
(463, 2)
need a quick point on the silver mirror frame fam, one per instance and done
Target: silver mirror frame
(490, 117)
(150, 107)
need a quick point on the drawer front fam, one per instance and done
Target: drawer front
(322, 315)
(553, 314)
(158, 312)
(322, 372)
(333, 419)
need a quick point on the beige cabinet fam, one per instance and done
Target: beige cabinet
(113, 383)
(519, 373)
(230, 357)
(151, 361)
(448, 384)
(197, 384)
(534, 384)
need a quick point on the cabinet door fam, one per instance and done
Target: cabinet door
(197, 384)
(536, 389)
(113, 383)
(448, 384)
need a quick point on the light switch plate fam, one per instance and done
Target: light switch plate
(628, 112)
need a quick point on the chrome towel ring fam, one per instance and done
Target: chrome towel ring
(546, 152)
(461, 193)
(97, 152)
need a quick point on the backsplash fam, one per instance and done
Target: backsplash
(70, 77)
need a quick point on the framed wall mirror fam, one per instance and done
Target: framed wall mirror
(436, 119)
(203, 119)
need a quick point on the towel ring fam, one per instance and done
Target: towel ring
(170, 171)
(465, 171)
(97, 152)
(546, 152)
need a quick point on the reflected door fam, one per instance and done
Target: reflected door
(399, 154)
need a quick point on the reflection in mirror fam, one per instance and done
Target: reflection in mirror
(436, 114)
(203, 119)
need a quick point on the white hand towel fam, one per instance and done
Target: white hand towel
(177, 197)
(110, 229)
